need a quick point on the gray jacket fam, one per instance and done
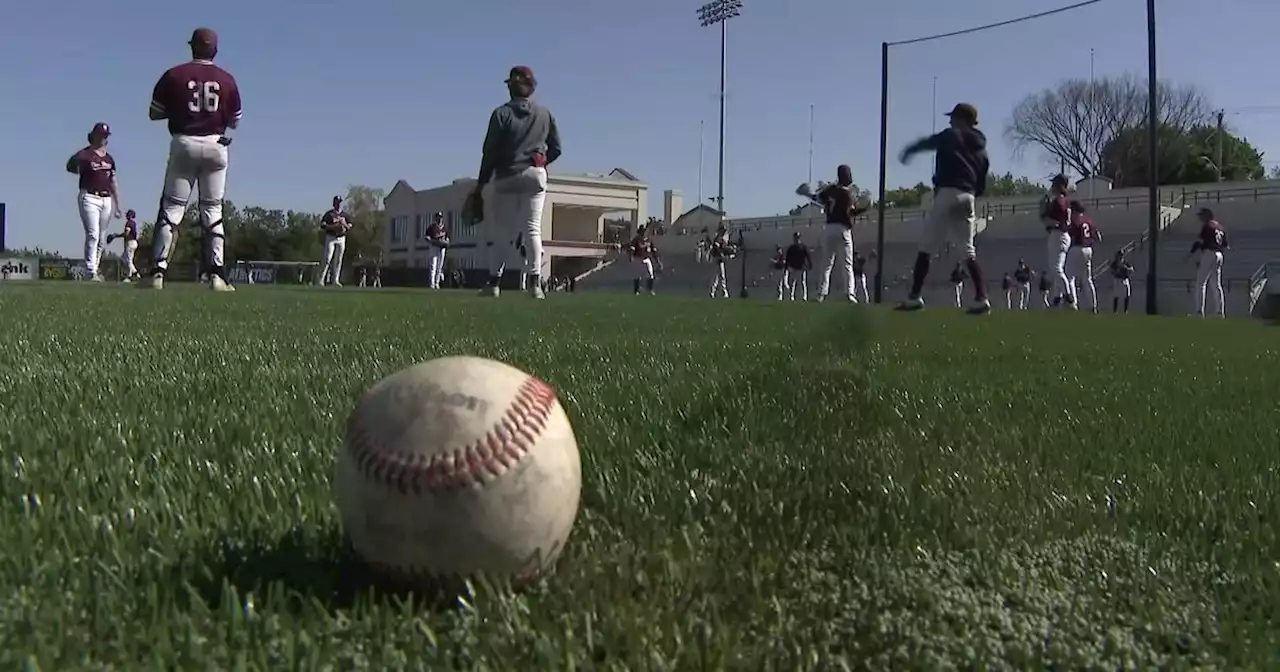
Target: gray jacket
(519, 131)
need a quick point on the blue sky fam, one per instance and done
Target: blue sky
(370, 93)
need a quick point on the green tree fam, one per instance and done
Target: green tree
(364, 205)
(1008, 185)
(906, 197)
(32, 252)
(1185, 157)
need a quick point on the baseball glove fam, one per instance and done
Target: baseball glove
(473, 207)
(110, 238)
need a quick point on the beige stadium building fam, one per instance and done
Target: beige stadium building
(572, 218)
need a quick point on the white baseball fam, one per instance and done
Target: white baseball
(459, 467)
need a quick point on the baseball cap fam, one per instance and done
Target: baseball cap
(130, 214)
(521, 72)
(1060, 179)
(964, 111)
(204, 37)
(1206, 212)
(101, 128)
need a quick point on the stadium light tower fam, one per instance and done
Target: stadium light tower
(713, 13)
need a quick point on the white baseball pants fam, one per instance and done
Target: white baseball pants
(860, 288)
(1209, 273)
(435, 267)
(1082, 272)
(952, 218)
(837, 239)
(643, 268)
(1008, 299)
(95, 215)
(959, 294)
(798, 277)
(1024, 293)
(1057, 244)
(130, 249)
(331, 266)
(719, 283)
(194, 162)
(517, 213)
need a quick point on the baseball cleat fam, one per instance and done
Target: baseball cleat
(537, 293)
(911, 305)
(490, 290)
(151, 282)
(981, 307)
(217, 284)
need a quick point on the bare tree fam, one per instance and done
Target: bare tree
(1076, 120)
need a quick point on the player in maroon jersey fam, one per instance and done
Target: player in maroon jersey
(130, 238)
(1083, 234)
(99, 193)
(1055, 214)
(201, 104)
(1209, 245)
(335, 225)
(643, 254)
(438, 236)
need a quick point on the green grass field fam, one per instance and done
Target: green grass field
(766, 486)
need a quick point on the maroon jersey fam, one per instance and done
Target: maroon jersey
(436, 231)
(1056, 213)
(1083, 233)
(837, 201)
(642, 247)
(1213, 238)
(130, 229)
(198, 98)
(96, 171)
(334, 223)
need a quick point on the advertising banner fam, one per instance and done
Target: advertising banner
(19, 268)
(62, 269)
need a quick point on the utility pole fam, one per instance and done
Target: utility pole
(1217, 158)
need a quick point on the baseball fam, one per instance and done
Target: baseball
(459, 467)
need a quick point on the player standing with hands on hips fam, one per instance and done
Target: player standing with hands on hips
(335, 225)
(201, 103)
(838, 200)
(99, 195)
(1210, 245)
(521, 141)
(959, 178)
(130, 237)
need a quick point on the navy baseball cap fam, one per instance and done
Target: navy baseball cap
(521, 73)
(965, 111)
(101, 128)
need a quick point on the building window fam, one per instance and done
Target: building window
(398, 229)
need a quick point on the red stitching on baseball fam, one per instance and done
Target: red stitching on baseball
(501, 448)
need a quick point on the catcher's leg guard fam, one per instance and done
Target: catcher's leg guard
(214, 237)
(163, 239)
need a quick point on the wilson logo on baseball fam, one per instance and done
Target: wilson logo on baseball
(433, 394)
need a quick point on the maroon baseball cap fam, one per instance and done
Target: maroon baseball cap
(521, 73)
(131, 214)
(204, 37)
(101, 128)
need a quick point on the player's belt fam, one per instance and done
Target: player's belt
(97, 192)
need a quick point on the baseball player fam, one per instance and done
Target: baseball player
(778, 266)
(643, 255)
(959, 178)
(860, 276)
(1006, 286)
(521, 141)
(721, 250)
(1209, 245)
(130, 237)
(1046, 286)
(958, 276)
(700, 253)
(335, 226)
(1055, 214)
(798, 263)
(201, 103)
(99, 195)
(839, 202)
(1022, 276)
(438, 236)
(1083, 235)
(1121, 273)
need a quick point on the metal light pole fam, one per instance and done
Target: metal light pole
(702, 133)
(1153, 162)
(933, 109)
(718, 12)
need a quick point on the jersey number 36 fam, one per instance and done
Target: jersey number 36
(205, 96)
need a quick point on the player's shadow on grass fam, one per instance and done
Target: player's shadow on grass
(299, 569)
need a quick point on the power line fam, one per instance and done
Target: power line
(999, 24)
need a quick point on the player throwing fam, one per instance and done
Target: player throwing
(438, 237)
(521, 141)
(959, 178)
(99, 195)
(130, 238)
(1209, 245)
(1083, 234)
(798, 263)
(1055, 214)
(335, 226)
(201, 103)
